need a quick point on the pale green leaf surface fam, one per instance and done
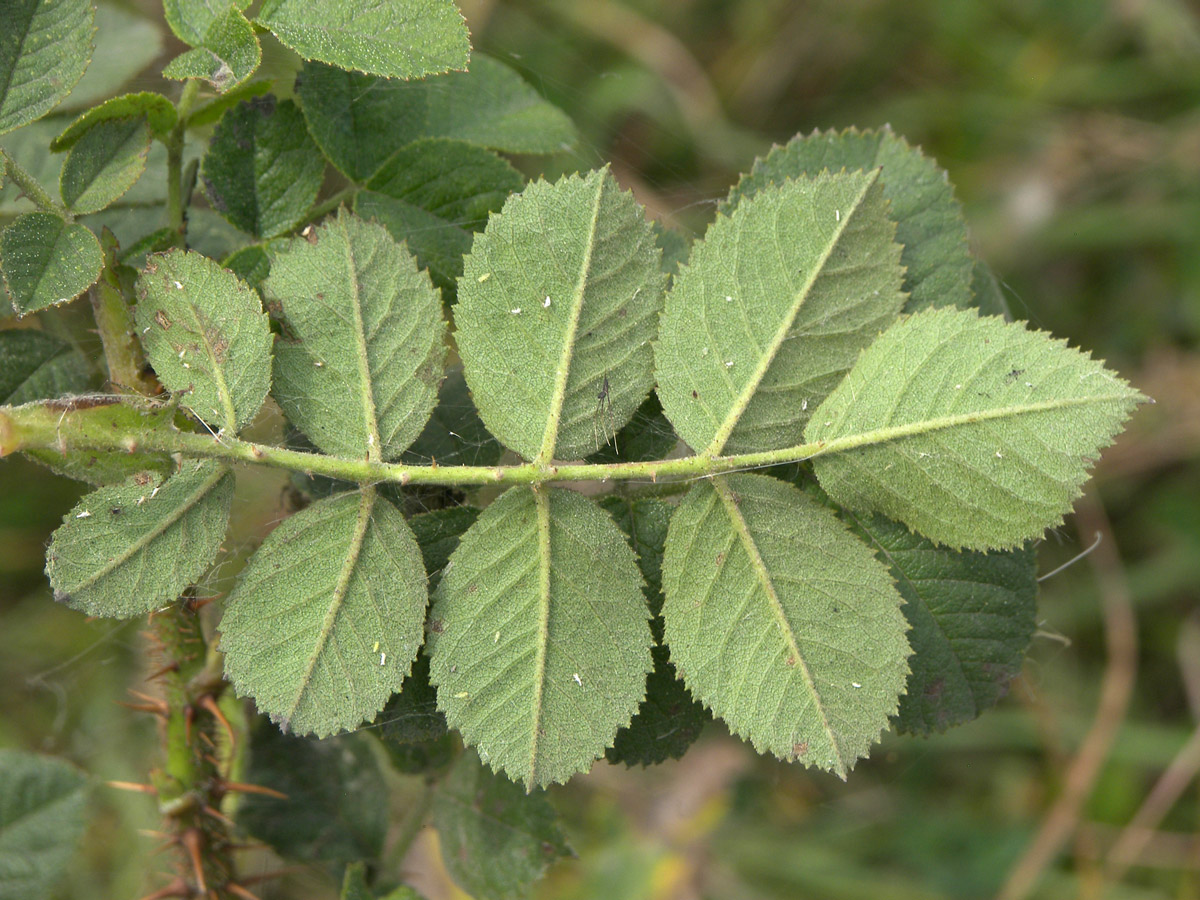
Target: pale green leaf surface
(262, 171)
(43, 814)
(45, 46)
(972, 616)
(393, 38)
(772, 310)
(360, 120)
(782, 622)
(359, 362)
(433, 194)
(157, 109)
(104, 163)
(972, 431)
(126, 42)
(205, 334)
(47, 261)
(228, 55)
(560, 294)
(496, 839)
(537, 662)
(328, 615)
(36, 366)
(929, 220)
(131, 548)
(191, 19)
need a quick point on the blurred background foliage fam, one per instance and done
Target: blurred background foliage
(1071, 129)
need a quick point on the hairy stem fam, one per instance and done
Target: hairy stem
(176, 201)
(30, 187)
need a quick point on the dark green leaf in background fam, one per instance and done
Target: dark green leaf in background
(454, 434)
(360, 120)
(45, 46)
(36, 366)
(227, 56)
(434, 194)
(773, 308)
(782, 622)
(262, 172)
(972, 615)
(359, 362)
(251, 264)
(104, 163)
(328, 615)
(205, 334)
(47, 261)
(43, 814)
(336, 811)
(988, 296)
(158, 111)
(929, 220)
(131, 548)
(538, 663)
(393, 38)
(496, 839)
(560, 296)
(438, 533)
(975, 432)
(647, 436)
(412, 728)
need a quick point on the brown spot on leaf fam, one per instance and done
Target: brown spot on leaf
(161, 318)
(721, 558)
(436, 626)
(791, 660)
(800, 749)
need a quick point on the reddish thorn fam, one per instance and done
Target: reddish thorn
(169, 667)
(193, 842)
(154, 710)
(219, 816)
(175, 889)
(189, 716)
(240, 891)
(133, 786)
(208, 703)
(200, 604)
(227, 786)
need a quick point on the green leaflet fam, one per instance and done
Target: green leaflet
(228, 54)
(205, 334)
(47, 261)
(191, 19)
(251, 264)
(434, 194)
(393, 38)
(327, 617)
(131, 548)
(336, 809)
(36, 366)
(158, 111)
(496, 839)
(104, 163)
(262, 171)
(668, 720)
(359, 362)
(972, 431)
(782, 622)
(361, 120)
(44, 48)
(929, 221)
(988, 296)
(772, 310)
(972, 615)
(558, 301)
(355, 887)
(43, 814)
(537, 662)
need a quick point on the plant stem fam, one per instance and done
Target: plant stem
(114, 324)
(31, 188)
(327, 206)
(176, 201)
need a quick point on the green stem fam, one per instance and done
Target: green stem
(176, 201)
(325, 207)
(31, 188)
(114, 324)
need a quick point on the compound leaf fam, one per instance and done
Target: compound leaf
(328, 615)
(191, 19)
(972, 615)
(538, 663)
(358, 366)
(782, 622)
(482, 816)
(772, 310)
(929, 220)
(360, 120)
(393, 38)
(205, 334)
(36, 366)
(228, 54)
(434, 194)
(104, 163)
(47, 261)
(158, 111)
(44, 47)
(557, 305)
(128, 549)
(975, 432)
(262, 171)
(43, 806)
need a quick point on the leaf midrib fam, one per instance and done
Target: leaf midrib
(370, 416)
(541, 501)
(218, 374)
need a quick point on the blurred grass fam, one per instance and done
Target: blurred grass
(1072, 132)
